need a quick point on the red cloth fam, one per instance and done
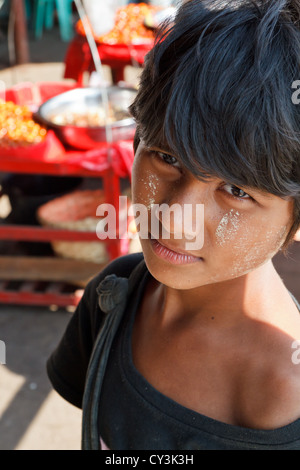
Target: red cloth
(119, 154)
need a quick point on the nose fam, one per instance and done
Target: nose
(181, 221)
(182, 216)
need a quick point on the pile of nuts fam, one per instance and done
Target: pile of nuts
(17, 127)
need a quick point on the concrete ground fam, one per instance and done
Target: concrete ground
(32, 415)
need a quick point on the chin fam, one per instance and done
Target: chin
(173, 276)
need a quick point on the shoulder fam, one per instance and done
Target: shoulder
(271, 389)
(281, 404)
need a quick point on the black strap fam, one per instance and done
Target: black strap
(113, 294)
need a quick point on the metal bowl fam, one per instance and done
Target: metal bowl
(83, 101)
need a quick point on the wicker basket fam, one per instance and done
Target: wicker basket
(75, 211)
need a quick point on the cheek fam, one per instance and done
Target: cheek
(149, 187)
(144, 185)
(228, 227)
(247, 245)
(261, 244)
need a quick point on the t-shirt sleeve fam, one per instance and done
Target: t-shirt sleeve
(68, 364)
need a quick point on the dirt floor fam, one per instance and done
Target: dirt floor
(32, 415)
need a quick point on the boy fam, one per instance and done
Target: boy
(195, 351)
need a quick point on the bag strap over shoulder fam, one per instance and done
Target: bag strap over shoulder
(113, 295)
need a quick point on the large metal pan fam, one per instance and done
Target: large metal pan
(89, 101)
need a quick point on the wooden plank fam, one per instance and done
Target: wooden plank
(31, 268)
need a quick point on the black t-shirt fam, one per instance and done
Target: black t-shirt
(132, 413)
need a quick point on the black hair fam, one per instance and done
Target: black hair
(217, 90)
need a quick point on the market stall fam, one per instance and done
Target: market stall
(29, 148)
(34, 143)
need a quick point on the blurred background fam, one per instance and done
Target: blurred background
(50, 188)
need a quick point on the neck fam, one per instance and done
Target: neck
(255, 295)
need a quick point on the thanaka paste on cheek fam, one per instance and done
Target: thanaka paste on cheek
(249, 248)
(251, 256)
(150, 184)
(228, 227)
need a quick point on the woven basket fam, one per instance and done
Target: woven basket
(75, 211)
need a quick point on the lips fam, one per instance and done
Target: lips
(172, 254)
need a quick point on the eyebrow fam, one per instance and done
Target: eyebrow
(260, 192)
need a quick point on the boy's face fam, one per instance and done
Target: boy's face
(241, 228)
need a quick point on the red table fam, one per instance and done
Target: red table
(79, 59)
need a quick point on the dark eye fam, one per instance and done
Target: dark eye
(235, 191)
(168, 159)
